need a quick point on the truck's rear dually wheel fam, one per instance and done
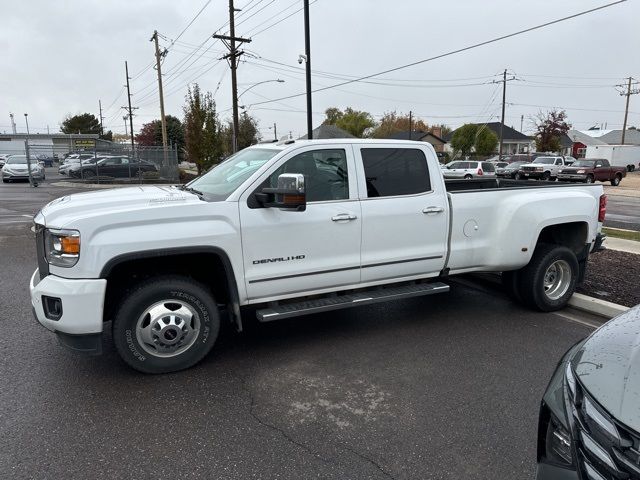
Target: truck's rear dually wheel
(166, 324)
(549, 280)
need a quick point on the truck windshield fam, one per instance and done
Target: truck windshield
(545, 160)
(584, 163)
(219, 182)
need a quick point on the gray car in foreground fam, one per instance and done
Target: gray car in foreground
(589, 427)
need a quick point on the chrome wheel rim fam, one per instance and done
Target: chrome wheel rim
(167, 328)
(557, 279)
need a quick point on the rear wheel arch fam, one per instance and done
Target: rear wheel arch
(210, 266)
(573, 235)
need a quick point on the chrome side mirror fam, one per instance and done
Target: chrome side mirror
(290, 194)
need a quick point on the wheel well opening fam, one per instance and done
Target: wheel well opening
(571, 235)
(206, 268)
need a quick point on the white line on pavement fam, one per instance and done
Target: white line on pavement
(578, 318)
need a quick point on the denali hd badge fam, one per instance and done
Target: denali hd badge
(279, 259)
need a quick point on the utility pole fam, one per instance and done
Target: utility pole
(307, 53)
(163, 120)
(32, 182)
(410, 125)
(504, 102)
(521, 122)
(627, 94)
(232, 56)
(275, 131)
(130, 111)
(101, 119)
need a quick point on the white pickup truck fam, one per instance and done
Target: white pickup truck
(544, 168)
(294, 229)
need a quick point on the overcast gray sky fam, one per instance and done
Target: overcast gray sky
(60, 58)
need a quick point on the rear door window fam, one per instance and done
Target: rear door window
(391, 172)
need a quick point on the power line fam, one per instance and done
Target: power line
(273, 16)
(459, 50)
(388, 84)
(282, 20)
(345, 76)
(190, 23)
(254, 13)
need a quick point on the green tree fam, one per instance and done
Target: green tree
(202, 131)
(83, 123)
(486, 141)
(353, 121)
(550, 127)
(464, 139)
(248, 133)
(392, 122)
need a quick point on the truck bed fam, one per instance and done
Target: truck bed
(495, 223)
(455, 186)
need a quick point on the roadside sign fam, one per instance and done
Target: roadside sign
(84, 143)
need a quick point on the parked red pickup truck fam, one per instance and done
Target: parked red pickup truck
(592, 169)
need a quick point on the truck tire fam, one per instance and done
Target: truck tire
(546, 176)
(589, 179)
(549, 280)
(511, 284)
(615, 181)
(166, 324)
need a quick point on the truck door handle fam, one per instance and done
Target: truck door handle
(429, 210)
(343, 217)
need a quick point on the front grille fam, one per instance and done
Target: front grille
(43, 265)
(606, 449)
(530, 169)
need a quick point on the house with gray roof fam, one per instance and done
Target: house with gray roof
(513, 140)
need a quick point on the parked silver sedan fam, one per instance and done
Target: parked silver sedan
(16, 168)
(468, 169)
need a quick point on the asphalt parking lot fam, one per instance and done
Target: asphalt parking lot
(443, 387)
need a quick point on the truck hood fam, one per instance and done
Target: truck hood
(536, 165)
(608, 366)
(63, 211)
(575, 169)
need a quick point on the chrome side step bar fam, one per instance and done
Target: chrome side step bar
(326, 304)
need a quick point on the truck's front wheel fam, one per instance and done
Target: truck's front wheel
(166, 324)
(549, 280)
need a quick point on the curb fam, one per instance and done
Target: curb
(596, 306)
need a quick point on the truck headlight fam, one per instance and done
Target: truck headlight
(62, 247)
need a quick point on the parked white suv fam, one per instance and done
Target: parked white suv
(467, 169)
(543, 168)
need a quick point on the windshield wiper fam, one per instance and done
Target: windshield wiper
(193, 190)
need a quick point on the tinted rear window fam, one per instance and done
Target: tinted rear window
(395, 171)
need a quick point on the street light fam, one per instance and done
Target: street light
(235, 135)
(260, 83)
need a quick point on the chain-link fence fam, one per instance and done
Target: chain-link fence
(90, 161)
(97, 161)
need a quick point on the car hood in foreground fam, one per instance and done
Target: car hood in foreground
(65, 210)
(608, 365)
